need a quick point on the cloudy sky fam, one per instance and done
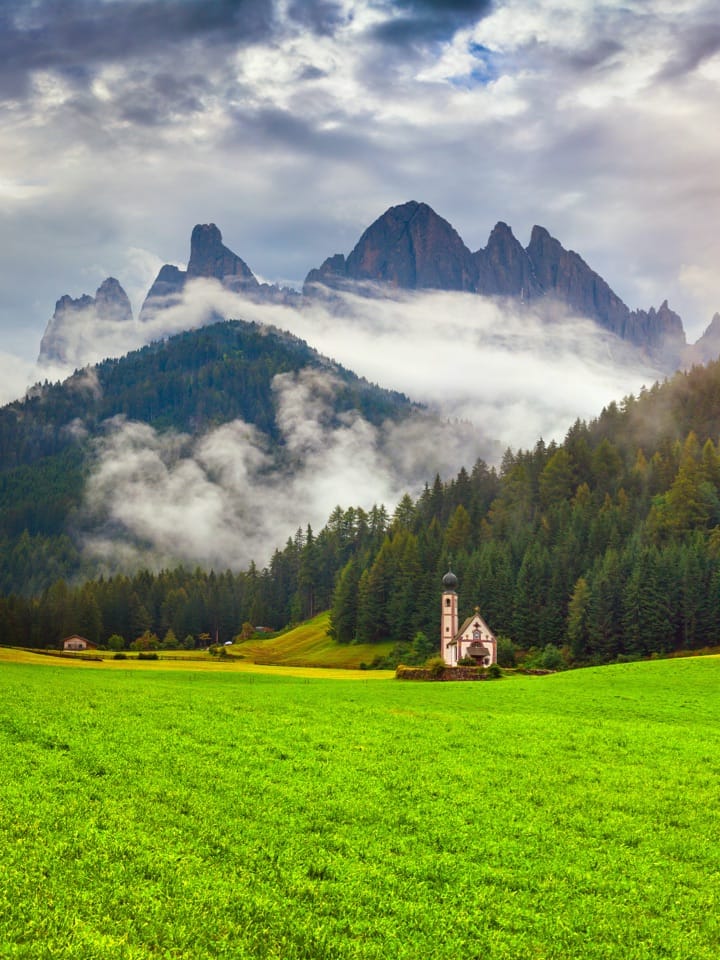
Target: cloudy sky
(293, 124)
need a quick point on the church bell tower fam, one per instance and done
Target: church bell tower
(449, 619)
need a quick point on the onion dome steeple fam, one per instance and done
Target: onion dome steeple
(450, 581)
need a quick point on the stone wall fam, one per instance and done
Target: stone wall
(448, 673)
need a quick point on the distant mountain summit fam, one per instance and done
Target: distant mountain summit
(412, 247)
(209, 258)
(75, 318)
(409, 247)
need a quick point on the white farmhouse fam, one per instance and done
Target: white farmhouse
(473, 639)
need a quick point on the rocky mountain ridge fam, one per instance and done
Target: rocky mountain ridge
(209, 258)
(410, 247)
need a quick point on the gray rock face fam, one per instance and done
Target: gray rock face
(112, 303)
(659, 331)
(504, 268)
(565, 275)
(208, 258)
(166, 291)
(411, 247)
(75, 319)
(707, 347)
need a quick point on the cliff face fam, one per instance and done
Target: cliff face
(565, 275)
(210, 258)
(411, 247)
(76, 318)
(504, 268)
(707, 347)
(408, 247)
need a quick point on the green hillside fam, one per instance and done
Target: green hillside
(190, 383)
(233, 815)
(603, 547)
(309, 645)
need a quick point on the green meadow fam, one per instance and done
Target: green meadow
(182, 813)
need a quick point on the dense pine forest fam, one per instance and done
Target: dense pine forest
(189, 383)
(605, 546)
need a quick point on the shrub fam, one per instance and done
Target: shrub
(421, 649)
(400, 653)
(494, 672)
(147, 655)
(120, 656)
(551, 658)
(436, 666)
(506, 652)
(148, 641)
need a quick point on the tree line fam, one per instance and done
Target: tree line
(606, 545)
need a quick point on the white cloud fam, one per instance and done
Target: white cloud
(493, 375)
(223, 500)
(595, 119)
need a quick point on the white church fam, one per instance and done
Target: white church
(474, 639)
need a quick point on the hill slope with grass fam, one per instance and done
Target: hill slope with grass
(309, 645)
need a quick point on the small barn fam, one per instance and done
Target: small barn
(78, 643)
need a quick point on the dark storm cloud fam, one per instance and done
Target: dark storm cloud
(323, 17)
(694, 47)
(274, 126)
(424, 21)
(595, 56)
(153, 100)
(73, 35)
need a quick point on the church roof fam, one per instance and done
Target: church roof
(475, 618)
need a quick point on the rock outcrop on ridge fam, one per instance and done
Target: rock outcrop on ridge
(77, 318)
(411, 247)
(209, 257)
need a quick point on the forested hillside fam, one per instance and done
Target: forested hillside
(189, 383)
(606, 545)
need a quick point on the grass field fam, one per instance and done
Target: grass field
(158, 813)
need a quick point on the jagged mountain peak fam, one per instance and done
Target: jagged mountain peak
(75, 318)
(501, 229)
(409, 246)
(209, 257)
(707, 347)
